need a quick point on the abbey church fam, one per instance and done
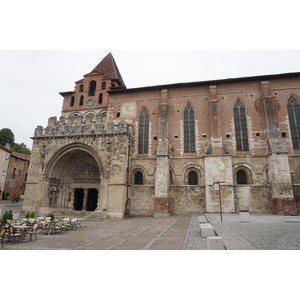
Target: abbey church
(169, 149)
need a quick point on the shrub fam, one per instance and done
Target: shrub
(51, 216)
(4, 217)
(10, 215)
(30, 215)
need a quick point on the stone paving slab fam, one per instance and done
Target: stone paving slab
(178, 232)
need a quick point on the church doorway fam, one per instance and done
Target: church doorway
(78, 199)
(92, 201)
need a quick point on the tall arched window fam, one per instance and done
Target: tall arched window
(100, 98)
(103, 85)
(138, 178)
(294, 118)
(92, 89)
(81, 100)
(240, 122)
(189, 129)
(143, 132)
(81, 88)
(72, 101)
(193, 178)
(241, 177)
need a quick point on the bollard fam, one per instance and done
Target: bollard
(244, 215)
(215, 243)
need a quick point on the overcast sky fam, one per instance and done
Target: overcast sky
(31, 80)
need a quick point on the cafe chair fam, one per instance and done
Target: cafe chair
(2, 234)
(13, 234)
(33, 231)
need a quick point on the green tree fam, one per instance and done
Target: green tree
(7, 137)
(20, 148)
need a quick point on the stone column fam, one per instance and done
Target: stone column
(85, 198)
(162, 178)
(278, 165)
(215, 122)
(217, 162)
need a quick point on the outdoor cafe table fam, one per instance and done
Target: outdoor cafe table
(23, 230)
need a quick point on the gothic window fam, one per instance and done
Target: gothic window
(143, 132)
(100, 98)
(240, 122)
(72, 101)
(81, 100)
(138, 178)
(294, 118)
(103, 85)
(241, 177)
(92, 89)
(193, 178)
(189, 129)
(81, 88)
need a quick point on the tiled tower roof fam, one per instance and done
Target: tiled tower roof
(109, 69)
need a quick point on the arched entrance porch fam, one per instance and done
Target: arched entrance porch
(74, 179)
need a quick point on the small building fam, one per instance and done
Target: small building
(4, 163)
(17, 175)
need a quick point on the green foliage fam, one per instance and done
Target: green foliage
(20, 148)
(4, 217)
(51, 216)
(6, 137)
(8, 215)
(30, 215)
(4, 196)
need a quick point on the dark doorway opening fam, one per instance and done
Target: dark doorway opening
(78, 199)
(92, 201)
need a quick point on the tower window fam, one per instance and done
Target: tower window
(103, 85)
(294, 118)
(92, 89)
(81, 100)
(72, 101)
(143, 132)
(241, 177)
(138, 178)
(189, 129)
(193, 178)
(81, 88)
(240, 122)
(100, 98)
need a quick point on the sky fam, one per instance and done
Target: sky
(32, 79)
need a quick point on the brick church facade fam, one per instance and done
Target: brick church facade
(169, 149)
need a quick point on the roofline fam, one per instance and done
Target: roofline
(208, 82)
(5, 149)
(21, 156)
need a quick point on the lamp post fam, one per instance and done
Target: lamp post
(217, 188)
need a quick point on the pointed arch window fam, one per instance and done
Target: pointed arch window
(92, 89)
(240, 122)
(143, 132)
(294, 118)
(189, 129)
